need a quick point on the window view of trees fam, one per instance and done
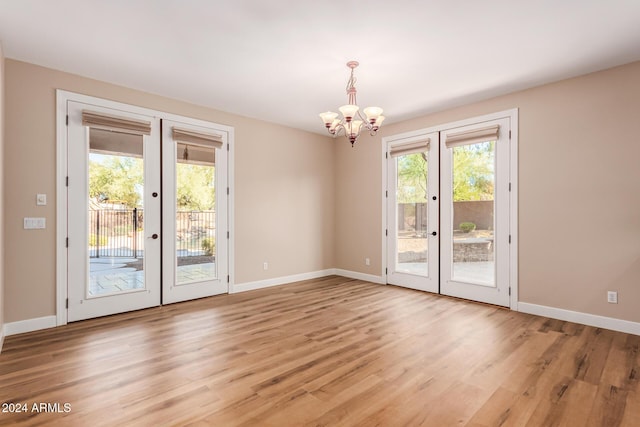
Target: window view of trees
(473, 174)
(116, 179)
(196, 189)
(412, 178)
(120, 180)
(116, 184)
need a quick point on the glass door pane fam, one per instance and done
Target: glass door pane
(116, 213)
(473, 213)
(412, 243)
(195, 213)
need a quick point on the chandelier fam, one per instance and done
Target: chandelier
(352, 122)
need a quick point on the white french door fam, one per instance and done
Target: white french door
(194, 211)
(113, 234)
(146, 209)
(412, 212)
(474, 180)
(448, 211)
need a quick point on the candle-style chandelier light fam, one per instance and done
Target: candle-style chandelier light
(352, 122)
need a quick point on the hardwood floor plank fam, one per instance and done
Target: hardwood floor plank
(631, 415)
(330, 351)
(496, 411)
(610, 405)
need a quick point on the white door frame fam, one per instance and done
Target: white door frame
(62, 97)
(512, 115)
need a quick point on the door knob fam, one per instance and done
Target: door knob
(433, 233)
(154, 236)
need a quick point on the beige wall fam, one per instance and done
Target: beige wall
(579, 208)
(1, 194)
(579, 200)
(284, 183)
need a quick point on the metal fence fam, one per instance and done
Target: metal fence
(412, 217)
(118, 233)
(195, 230)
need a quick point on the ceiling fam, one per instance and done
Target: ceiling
(284, 61)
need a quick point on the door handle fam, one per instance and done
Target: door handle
(433, 233)
(153, 236)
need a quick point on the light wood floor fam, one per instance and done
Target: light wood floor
(332, 351)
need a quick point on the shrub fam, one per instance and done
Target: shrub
(467, 226)
(209, 246)
(93, 240)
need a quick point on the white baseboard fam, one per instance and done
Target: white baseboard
(584, 318)
(360, 276)
(29, 325)
(277, 281)
(619, 325)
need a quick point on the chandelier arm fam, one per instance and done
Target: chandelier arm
(336, 130)
(364, 119)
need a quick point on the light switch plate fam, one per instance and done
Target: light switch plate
(34, 223)
(41, 199)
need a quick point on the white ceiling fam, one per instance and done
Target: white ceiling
(284, 60)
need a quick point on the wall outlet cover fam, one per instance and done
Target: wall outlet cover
(34, 223)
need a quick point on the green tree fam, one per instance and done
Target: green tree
(473, 172)
(195, 187)
(120, 179)
(117, 179)
(412, 178)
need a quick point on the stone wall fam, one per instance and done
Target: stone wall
(472, 250)
(478, 212)
(413, 216)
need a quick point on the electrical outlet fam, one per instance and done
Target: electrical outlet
(367, 261)
(265, 266)
(612, 297)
